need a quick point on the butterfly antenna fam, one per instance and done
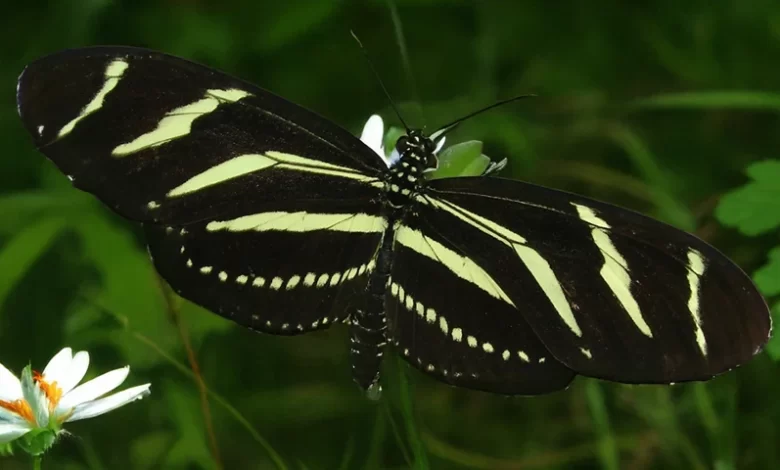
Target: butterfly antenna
(379, 79)
(448, 127)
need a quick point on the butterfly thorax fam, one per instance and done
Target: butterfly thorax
(404, 179)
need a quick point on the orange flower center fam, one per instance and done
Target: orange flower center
(52, 391)
(20, 407)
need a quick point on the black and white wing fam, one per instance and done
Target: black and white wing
(570, 282)
(247, 199)
(449, 319)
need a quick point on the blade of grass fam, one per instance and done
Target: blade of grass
(736, 99)
(349, 453)
(397, 434)
(378, 435)
(407, 411)
(562, 458)
(607, 447)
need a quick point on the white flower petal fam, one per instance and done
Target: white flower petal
(92, 389)
(440, 144)
(59, 365)
(78, 367)
(111, 402)
(373, 134)
(9, 431)
(10, 387)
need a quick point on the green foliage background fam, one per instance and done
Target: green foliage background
(667, 107)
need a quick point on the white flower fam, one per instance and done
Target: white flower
(49, 399)
(373, 135)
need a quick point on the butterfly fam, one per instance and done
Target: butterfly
(280, 220)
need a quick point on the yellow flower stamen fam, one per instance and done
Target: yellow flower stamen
(20, 407)
(52, 390)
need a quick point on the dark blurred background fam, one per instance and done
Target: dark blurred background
(660, 106)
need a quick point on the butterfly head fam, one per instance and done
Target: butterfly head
(418, 149)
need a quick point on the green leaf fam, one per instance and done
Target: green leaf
(391, 137)
(37, 441)
(23, 208)
(755, 207)
(7, 449)
(21, 251)
(463, 159)
(773, 346)
(767, 277)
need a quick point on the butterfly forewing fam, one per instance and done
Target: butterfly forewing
(162, 139)
(254, 207)
(612, 294)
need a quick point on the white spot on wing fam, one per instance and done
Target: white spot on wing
(457, 335)
(443, 325)
(523, 356)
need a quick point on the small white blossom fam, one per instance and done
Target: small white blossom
(373, 135)
(51, 398)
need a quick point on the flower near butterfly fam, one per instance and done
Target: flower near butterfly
(34, 409)
(462, 159)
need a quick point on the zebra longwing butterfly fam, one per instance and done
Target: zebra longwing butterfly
(283, 222)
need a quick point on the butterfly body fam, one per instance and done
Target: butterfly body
(283, 222)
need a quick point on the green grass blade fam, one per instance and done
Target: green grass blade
(607, 445)
(736, 99)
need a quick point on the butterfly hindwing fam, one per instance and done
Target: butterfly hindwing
(161, 139)
(284, 271)
(611, 293)
(449, 327)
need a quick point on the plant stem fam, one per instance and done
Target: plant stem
(37, 462)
